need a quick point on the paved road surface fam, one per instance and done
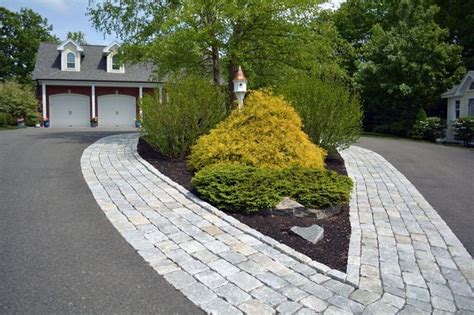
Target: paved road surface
(58, 252)
(443, 174)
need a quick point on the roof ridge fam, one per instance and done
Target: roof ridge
(96, 45)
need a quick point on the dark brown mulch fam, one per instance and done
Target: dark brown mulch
(174, 168)
(331, 250)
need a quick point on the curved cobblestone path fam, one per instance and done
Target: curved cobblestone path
(403, 258)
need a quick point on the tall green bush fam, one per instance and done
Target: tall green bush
(189, 108)
(18, 100)
(332, 115)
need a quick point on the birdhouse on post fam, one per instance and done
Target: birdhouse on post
(240, 86)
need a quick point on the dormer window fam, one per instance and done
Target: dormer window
(70, 55)
(471, 87)
(115, 63)
(111, 59)
(71, 60)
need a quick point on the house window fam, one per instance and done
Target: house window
(471, 107)
(115, 64)
(457, 108)
(71, 60)
(471, 87)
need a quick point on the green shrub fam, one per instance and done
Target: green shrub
(234, 187)
(429, 129)
(265, 133)
(464, 129)
(332, 115)
(18, 100)
(7, 120)
(191, 107)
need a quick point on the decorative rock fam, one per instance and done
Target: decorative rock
(312, 234)
(288, 205)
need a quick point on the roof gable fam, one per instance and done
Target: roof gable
(67, 42)
(459, 89)
(111, 48)
(93, 67)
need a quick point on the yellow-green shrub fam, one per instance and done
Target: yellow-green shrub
(266, 133)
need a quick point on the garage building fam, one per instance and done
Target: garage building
(75, 83)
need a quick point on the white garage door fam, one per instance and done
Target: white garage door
(116, 111)
(69, 110)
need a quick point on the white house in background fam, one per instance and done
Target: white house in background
(460, 102)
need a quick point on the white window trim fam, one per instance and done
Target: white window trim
(77, 61)
(470, 103)
(73, 61)
(110, 64)
(457, 109)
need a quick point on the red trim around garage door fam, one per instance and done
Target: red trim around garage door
(101, 90)
(54, 89)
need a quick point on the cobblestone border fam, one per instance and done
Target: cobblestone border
(224, 266)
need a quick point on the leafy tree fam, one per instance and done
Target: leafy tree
(406, 67)
(79, 37)
(18, 100)
(213, 37)
(458, 17)
(355, 19)
(20, 35)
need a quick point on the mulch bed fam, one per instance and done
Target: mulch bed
(331, 250)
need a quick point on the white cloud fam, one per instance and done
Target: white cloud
(58, 5)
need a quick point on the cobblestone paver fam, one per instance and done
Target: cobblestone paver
(403, 258)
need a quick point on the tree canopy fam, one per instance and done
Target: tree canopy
(79, 37)
(213, 37)
(458, 17)
(404, 60)
(20, 35)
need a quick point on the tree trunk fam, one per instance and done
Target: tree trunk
(215, 65)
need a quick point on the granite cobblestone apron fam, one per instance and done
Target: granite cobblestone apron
(403, 258)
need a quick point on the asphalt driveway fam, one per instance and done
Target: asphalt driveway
(58, 251)
(443, 174)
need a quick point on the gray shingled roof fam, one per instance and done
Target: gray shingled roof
(451, 91)
(93, 67)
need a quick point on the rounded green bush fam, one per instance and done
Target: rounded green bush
(241, 188)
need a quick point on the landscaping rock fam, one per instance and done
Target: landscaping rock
(312, 233)
(288, 205)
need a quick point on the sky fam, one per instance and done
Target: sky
(64, 15)
(70, 15)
